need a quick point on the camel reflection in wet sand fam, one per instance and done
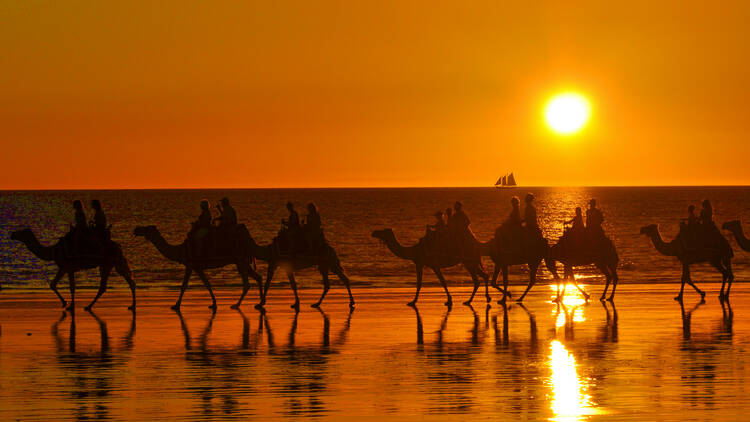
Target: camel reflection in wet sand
(93, 375)
(220, 374)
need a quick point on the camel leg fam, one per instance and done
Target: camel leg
(340, 274)
(475, 279)
(420, 270)
(293, 283)
(495, 273)
(185, 280)
(254, 274)
(72, 281)
(730, 278)
(269, 276)
(104, 272)
(603, 268)
(207, 283)
(504, 269)
(689, 281)
(53, 285)
(326, 286)
(532, 279)
(122, 268)
(440, 277)
(615, 279)
(244, 271)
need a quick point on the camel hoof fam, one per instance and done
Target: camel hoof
(315, 305)
(467, 303)
(235, 306)
(413, 303)
(295, 306)
(175, 307)
(64, 305)
(489, 299)
(131, 308)
(586, 296)
(449, 303)
(519, 300)
(87, 308)
(602, 297)
(259, 306)
(611, 299)
(678, 298)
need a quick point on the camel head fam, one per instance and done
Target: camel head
(22, 235)
(732, 226)
(650, 230)
(148, 232)
(384, 234)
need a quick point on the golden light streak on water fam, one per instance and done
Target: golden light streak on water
(570, 401)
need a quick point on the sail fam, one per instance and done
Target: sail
(504, 181)
(499, 181)
(511, 180)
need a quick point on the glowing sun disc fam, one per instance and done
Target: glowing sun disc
(567, 113)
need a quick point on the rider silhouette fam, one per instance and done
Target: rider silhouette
(227, 215)
(594, 220)
(529, 216)
(291, 226)
(200, 228)
(312, 228)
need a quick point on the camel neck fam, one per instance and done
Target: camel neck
(663, 247)
(46, 253)
(173, 252)
(405, 252)
(739, 236)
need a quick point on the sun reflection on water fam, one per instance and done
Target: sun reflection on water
(569, 399)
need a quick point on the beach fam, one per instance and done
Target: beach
(642, 357)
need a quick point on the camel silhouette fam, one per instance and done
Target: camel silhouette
(472, 261)
(240, 256)
(720, 258)
(327, 261)
(112, 258)
(735, 228)
(504, 256)
(605, 258)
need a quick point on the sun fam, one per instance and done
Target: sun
(567, 113)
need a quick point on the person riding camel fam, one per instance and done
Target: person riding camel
(291, 227)
(79, 230)
(200, 229)
(98, 226)
(529, 218)
(692, 219)
(511, 228)
(227, 215)
(313, 228)
(577, 231)
(461, 230)
(689, 228)
(594, 220)
(710, 233)
(435, 233)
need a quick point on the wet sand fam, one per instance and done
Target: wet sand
(644, 357)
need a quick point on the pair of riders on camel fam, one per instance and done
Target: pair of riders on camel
(211, 235)
(588, 234)
(518, 234)
(448, 236)
(88, 237)
(700, 231)
(306, 237)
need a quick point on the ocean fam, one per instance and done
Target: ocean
(349, 217)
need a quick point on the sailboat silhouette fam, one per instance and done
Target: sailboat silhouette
(506, 181)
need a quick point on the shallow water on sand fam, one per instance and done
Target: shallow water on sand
(643, 357)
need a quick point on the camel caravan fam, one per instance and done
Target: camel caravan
(216, 242)
(517, 241)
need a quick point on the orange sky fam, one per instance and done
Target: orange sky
(298, 94)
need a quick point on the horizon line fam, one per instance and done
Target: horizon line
(367, 187)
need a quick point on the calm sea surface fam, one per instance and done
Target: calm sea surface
(350, 215)
(645, 357)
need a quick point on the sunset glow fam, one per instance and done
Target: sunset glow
(567, 113)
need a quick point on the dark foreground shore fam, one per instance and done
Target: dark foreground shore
(643, 357)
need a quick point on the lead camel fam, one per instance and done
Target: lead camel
(111, 258)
